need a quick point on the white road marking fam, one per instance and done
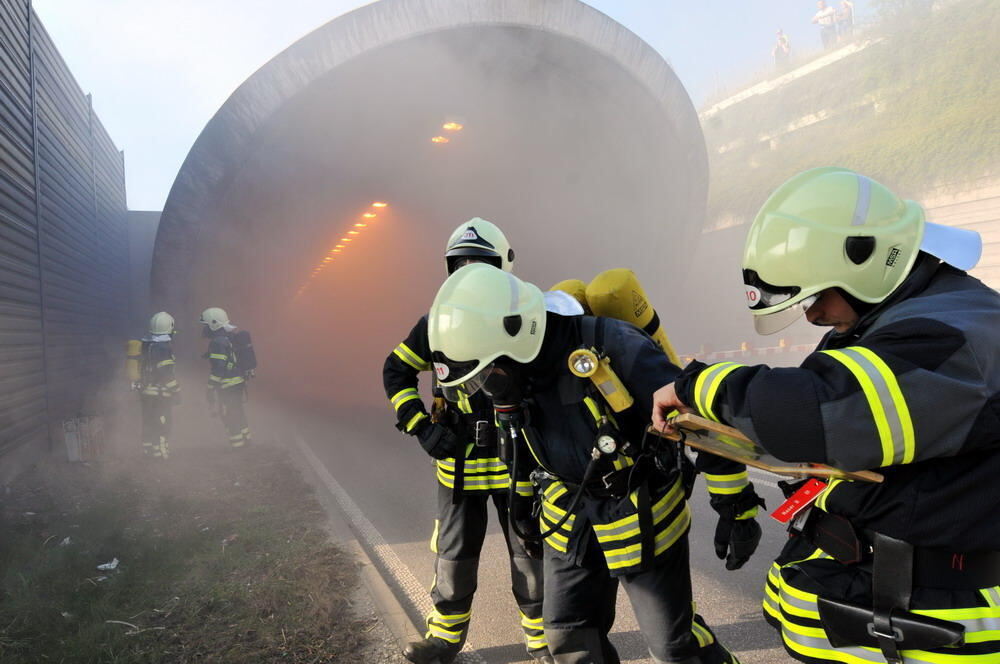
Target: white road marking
(387, 559)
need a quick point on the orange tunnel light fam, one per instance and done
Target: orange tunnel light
(379, 204)
(353, 232)
(360, 225)
(452, 126)
(339, 246)
(369, 215)
(440, 139)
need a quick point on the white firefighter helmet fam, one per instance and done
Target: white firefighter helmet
(215, 318)
(481, 239)
(161, 323)
(479, 315)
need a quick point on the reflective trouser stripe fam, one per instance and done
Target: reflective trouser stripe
(443, 626)
(794, 609)
(218, 356)
(534, 632)
(703, 635)
(707, 386)
(632, 555)
(164, 363)
(992, 596)
(403, 396)
(727, 484)
(526, 489)
(885, 399)
(404, 353)
(434, 535)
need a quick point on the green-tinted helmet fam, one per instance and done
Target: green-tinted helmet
(825, 228)
(480, 239)
(479, 315)
(215, 318)
(161, 323)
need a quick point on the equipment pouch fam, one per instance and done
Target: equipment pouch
(848, 624)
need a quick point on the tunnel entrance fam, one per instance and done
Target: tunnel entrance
(588, 154)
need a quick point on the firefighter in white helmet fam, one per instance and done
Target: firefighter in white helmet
(158, 387)
(461, 437)
(226, 391)
(613, 507)
(907, 381)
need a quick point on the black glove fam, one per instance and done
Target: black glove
(533, 548)
(437, 440)
(736, 539)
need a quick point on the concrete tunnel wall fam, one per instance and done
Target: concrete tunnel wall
(579, 141)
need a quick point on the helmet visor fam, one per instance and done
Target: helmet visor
(468, 387)
(778, 320)
(762, 295)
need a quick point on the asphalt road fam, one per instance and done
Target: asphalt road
(391, 481)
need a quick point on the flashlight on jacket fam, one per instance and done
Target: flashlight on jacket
(585, 363)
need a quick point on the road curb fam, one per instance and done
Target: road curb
(385, 602)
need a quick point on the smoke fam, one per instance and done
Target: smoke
(561, 147)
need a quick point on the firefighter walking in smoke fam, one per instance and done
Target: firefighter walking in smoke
(158, 388)
(227, 376)
(461, 436)
(907, 381)
(613, 506)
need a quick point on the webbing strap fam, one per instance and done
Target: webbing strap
(892, 586)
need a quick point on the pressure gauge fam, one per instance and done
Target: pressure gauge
(607, 444)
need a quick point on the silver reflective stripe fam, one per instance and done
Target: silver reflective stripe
(893, 419)
(798, 603)
(864, 200)
(632, 523)
(818, 643)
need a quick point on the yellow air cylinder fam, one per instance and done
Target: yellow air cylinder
(584, 363)
(576, 289)
(617, 293)
(133, 355)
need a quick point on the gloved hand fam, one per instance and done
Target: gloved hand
(736, 539)
(437, 440)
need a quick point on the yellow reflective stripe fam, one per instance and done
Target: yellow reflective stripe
(992, 596)
(448, 619)
(212, 378)
(403, 352)
(592, 407)
(444, 634)
(885, 400)
(707, 386)
(524, 488)
(463, 403)
(666, 538)
(217, 356)
(727, 484)
(164, 363)
(825, 495)
(703, 635)
(434, 536)
(898, 400)
(401, 397)
(414, 421)
(531, 623)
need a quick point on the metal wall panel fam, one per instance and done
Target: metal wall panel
(63, 238)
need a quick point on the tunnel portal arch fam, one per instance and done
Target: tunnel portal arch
(581, 143)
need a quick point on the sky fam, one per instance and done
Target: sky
(159, 69)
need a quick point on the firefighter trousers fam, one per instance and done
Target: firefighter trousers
(459, 533)
(580, 609)
(157, 421)
(233, 415)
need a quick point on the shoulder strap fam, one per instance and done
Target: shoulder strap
(592, 329)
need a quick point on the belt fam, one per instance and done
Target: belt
(932, 567)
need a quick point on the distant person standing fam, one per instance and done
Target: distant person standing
(782, 51)
(845, 21)
(230, 359)
(826, 18)
(158, 388)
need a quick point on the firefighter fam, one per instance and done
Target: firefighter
(159, 390)
(226, 391)
(461, 437)
(613, 506)
(907, 382)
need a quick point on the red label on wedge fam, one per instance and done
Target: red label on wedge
(799, 500)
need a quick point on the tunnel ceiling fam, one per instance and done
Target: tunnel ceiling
(577, 139)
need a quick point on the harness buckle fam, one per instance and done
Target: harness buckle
(897, 634)
(480, 431)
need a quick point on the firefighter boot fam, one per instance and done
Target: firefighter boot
(429, 651)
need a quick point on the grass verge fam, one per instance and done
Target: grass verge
(223, 558)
